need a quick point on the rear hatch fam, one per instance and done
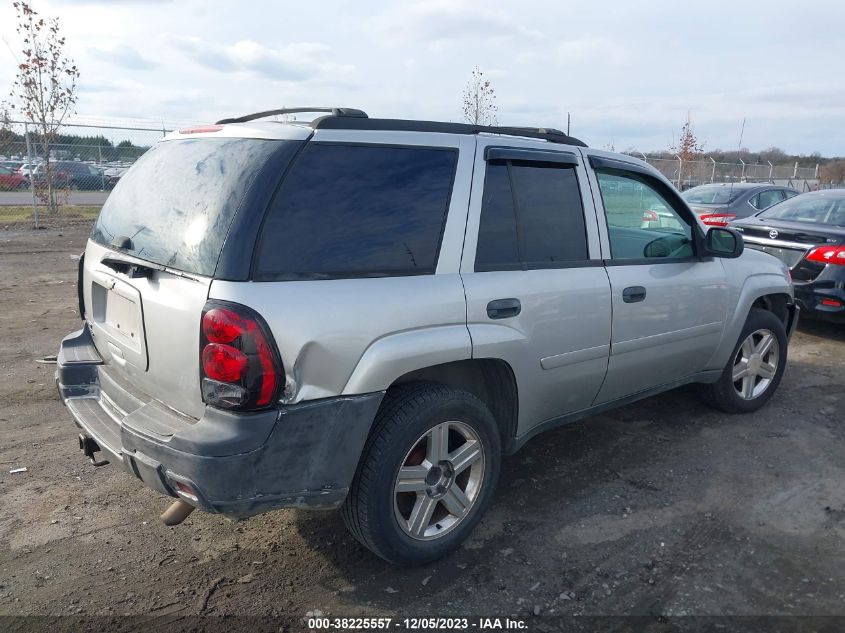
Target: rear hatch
(150, 261)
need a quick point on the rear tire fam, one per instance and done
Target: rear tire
(426, 474)
(755, 368)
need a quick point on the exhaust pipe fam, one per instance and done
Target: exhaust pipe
(178, 511)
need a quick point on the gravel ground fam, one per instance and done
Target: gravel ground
(661, 508)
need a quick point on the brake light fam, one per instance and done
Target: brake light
(832, 303)
(223, 362)
(200, 129)
(827, 255)
(221, 325)
(717, 219)
(239, 365)
(650, 216)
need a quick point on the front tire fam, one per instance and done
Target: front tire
(426, 475)
(755, 368)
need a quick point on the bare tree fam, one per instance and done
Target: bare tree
(687, 149)
(479, 100)
(44, 90)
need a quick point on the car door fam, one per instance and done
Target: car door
(536, 291)
(669, 304)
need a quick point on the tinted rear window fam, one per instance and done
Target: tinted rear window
(177, 202)
(711, 195)
(356, 210)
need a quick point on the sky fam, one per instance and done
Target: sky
(628, 72)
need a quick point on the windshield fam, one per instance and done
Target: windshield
(711, 195)
(817, 209)
(176, 203)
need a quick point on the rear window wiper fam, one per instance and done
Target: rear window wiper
(135, 269)
(131, 268)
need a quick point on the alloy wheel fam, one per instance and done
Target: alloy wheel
(439, 481)
(755, 364)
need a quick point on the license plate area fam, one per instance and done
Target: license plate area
(118, 320)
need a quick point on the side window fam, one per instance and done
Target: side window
(765, 199)
(531, 217)
(641, 223)
(357, 211)
(497, 239)
(788, 193)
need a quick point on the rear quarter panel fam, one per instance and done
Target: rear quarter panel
(373, 329)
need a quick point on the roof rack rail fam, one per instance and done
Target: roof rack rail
(407, 125)
(335, 112)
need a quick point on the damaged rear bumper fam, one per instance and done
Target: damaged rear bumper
(236, 464)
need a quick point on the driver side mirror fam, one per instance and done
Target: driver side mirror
(723, 242)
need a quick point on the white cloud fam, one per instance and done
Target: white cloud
(299, 61)
(626, 71)
(440, 21)
(123, 55)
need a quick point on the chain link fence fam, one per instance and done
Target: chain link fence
(77, 167)
(70, 171)
(686, 174)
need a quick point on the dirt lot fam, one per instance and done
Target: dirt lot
(661, 508)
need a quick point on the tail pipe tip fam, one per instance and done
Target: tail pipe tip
(177, 512)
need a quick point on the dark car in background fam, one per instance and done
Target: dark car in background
(807, 233)
(70, 175)
(719, 203)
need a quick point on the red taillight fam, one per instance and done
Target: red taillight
(717, 219)
(827, 255)
(650, 216)
(240, 368)
(221, 326)
(223, 362)
(831, 303)
(200, 129)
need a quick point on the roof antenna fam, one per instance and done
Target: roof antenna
(738, 150)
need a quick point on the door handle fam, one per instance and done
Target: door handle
(503, 308)
(633, 294)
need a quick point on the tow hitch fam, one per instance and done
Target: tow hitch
(88, 446)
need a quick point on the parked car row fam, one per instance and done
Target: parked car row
(16, 174)
(717, 204)
(806, 232)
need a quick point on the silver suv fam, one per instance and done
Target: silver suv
(368, 314)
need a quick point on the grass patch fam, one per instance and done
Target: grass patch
(24, 213)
